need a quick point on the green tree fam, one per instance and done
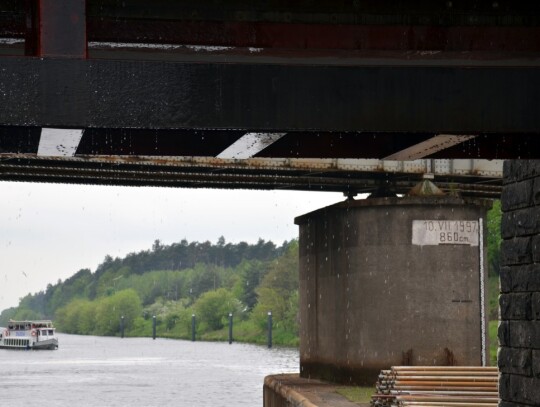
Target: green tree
(87, 317)
(494, 238)
(213, 307)
(27, 314)
(269, 300)
(6, 315)
(108, 311)
(278, 292)
(283, 272)
(250, 276)
(69, 317)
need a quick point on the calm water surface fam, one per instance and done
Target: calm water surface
(96, 371)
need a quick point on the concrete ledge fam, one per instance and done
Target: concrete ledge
(290, 390)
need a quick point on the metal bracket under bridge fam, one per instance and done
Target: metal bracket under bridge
(467, 177)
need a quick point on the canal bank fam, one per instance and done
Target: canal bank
(290, 390)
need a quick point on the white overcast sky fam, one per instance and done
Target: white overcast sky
(50, 231)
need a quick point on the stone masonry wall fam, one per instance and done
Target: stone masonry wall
(519, 328)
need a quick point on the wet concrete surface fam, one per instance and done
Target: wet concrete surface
(290, 390)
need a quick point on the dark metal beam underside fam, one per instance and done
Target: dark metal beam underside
(259, 97)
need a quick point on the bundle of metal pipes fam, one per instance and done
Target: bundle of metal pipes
(451, 386)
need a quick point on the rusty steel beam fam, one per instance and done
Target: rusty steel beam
(197, 174)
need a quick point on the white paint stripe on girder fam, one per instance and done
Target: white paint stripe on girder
(428, 147)
(249, 145)
(59, 142)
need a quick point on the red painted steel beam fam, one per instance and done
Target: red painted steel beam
(61, 28)
(31, 21)
(318, 36)
(58, 27)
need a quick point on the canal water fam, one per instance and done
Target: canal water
(97, 371)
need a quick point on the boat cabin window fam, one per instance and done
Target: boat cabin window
(44, 332)
(51, 332)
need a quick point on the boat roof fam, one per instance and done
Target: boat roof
(36, 321)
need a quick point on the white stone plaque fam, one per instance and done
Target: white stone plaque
(439, 232)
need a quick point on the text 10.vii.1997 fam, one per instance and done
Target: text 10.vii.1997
(441, 232)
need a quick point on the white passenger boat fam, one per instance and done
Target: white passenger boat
(28, 335)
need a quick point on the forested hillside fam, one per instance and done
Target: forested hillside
(173, 282)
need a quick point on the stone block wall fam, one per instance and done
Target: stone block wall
(519, 328)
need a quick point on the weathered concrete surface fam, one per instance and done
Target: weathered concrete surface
(371, 299)
(290, 390)
(519, 328)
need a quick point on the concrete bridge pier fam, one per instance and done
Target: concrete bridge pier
(392, 281)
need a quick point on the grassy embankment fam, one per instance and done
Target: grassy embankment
(243, 331)
(493, 306)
